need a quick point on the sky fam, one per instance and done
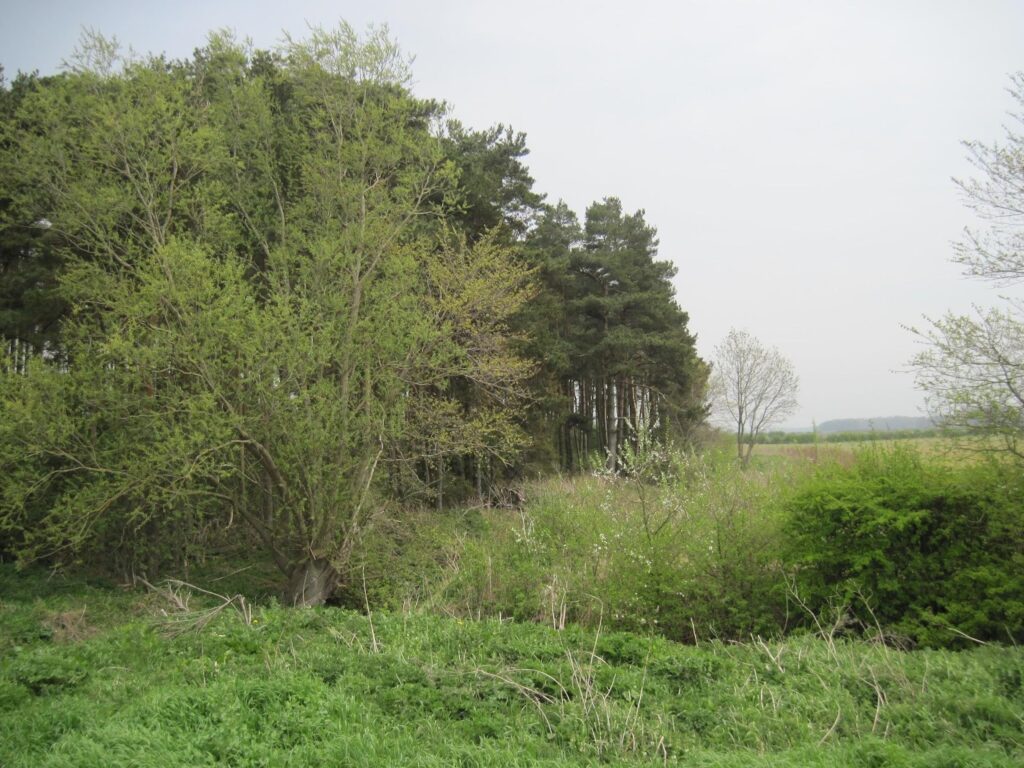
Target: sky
(797, 158)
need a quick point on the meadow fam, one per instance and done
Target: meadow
(844, 451)
(92, 674)
(665, 621)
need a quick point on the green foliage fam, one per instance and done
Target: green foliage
(325, 686)
(267, 308)
(274, 288)
(495, 187)
(688, 544)
(692, 547)
(616, 353)
(932, 550)
(30, 306)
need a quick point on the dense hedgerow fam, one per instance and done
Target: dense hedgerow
(929, 551)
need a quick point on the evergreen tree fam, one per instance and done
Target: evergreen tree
(495, 189)
(617, 342)
(546, 324)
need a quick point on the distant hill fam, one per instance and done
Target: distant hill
(880, 424)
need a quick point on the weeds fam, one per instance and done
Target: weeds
(309, 688)
(591, 715)
(183, 618)
(686, 545)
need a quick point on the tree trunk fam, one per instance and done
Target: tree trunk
(745, 451)
(611, 421)
(311, 583)
(440, 484)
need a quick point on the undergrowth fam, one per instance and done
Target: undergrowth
(692, 547)
(691, 551)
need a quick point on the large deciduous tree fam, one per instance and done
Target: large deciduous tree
(752, 386)
(267, 305)
(972, 367)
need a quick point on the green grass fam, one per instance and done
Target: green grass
(580, 551)
(329, 686)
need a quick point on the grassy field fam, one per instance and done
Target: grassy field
(944, 448)
(93, 675)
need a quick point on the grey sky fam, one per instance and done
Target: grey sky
(795, 156)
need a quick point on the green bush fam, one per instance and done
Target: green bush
(936, 552)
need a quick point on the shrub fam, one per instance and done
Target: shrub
(935, 551)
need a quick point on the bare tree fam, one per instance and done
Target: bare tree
(972, 367)
(753, 386)
(996, 253)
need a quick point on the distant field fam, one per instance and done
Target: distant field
(845, 452)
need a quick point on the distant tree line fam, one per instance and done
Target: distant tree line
(804, 438)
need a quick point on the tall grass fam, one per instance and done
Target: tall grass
(901, 544)
(543, 635)
(690, 550)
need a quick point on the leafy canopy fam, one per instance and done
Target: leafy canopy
(267, 304)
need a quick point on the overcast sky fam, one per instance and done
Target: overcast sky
(796, 157)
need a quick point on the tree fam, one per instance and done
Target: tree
(492, 198)
(614, 342)
(267, 306)
(30, 309)
(546, 325)
(495, 187)
(753, 386)
(972, 367)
